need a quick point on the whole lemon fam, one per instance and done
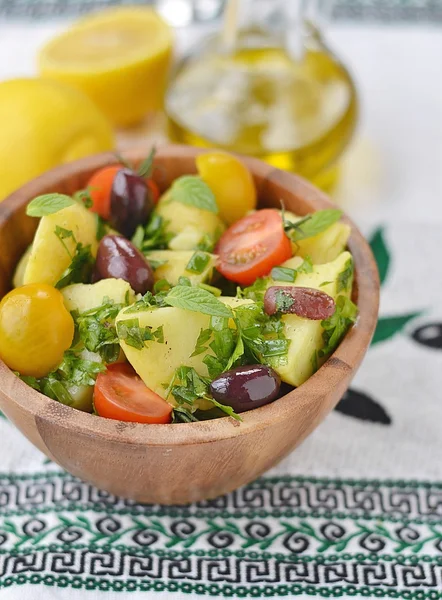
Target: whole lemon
(44, 124)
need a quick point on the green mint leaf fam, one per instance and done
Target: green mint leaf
(48, 204)
(135, 336)
(80, 269)
(203, 338)
(284, 274)
(336, 326)
(198, 262)
(312, 225)
(197, 300)
(324, 283)
(345, 277)
(145, 169)
(193, 191)
(381, 253)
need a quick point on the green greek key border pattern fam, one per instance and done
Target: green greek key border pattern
(253, 543)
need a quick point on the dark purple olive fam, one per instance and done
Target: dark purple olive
(131, 202)
(307, 303)
(247, 387)
(118, 258)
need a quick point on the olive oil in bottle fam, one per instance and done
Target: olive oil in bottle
(257, 99)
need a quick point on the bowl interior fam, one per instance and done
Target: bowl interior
(273, 186)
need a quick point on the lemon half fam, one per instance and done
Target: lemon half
(119, 57)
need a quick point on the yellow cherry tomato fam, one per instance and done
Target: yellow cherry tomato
(35, 329)
(230, 181)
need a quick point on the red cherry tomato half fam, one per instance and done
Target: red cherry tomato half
(100, 188)
(252, 246)
(120, 394)
(154, 189)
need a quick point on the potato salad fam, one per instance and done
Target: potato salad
(175, 307)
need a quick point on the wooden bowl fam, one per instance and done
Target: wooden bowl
(181, 463)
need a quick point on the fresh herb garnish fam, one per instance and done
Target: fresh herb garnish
(197, 300)
(208, 242)
(290, 275)
(324, 283)
(95, 330)
(145, 169)
(203, 338)
(187, 387)
(85, 197)
(48, 204)
(336, 326)
(284, 274)
(193, 191)
(152, 237)
(133, 335)
(182, 415)
(306, 266)
(256, 291)
(198, 262)
(102, 229)
(283, 301)
(80, 269)
(311, 225)
(79, 371)
(345, 277)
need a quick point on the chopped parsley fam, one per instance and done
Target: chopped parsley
(336, 326)
(345, 277)
(135, 336)
(198, 262)
(82, 261)
(187, 387)
(283, 301)
(152, 237)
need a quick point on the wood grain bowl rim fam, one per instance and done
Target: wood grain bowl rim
(335, 372)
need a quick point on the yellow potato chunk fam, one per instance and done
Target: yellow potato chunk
(49, 258)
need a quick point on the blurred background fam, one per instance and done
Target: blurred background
(346, 93)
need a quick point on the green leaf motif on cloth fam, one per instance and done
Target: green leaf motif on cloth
(387, 327)
(381, 253)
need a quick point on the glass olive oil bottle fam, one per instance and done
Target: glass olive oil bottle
(296, 113)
